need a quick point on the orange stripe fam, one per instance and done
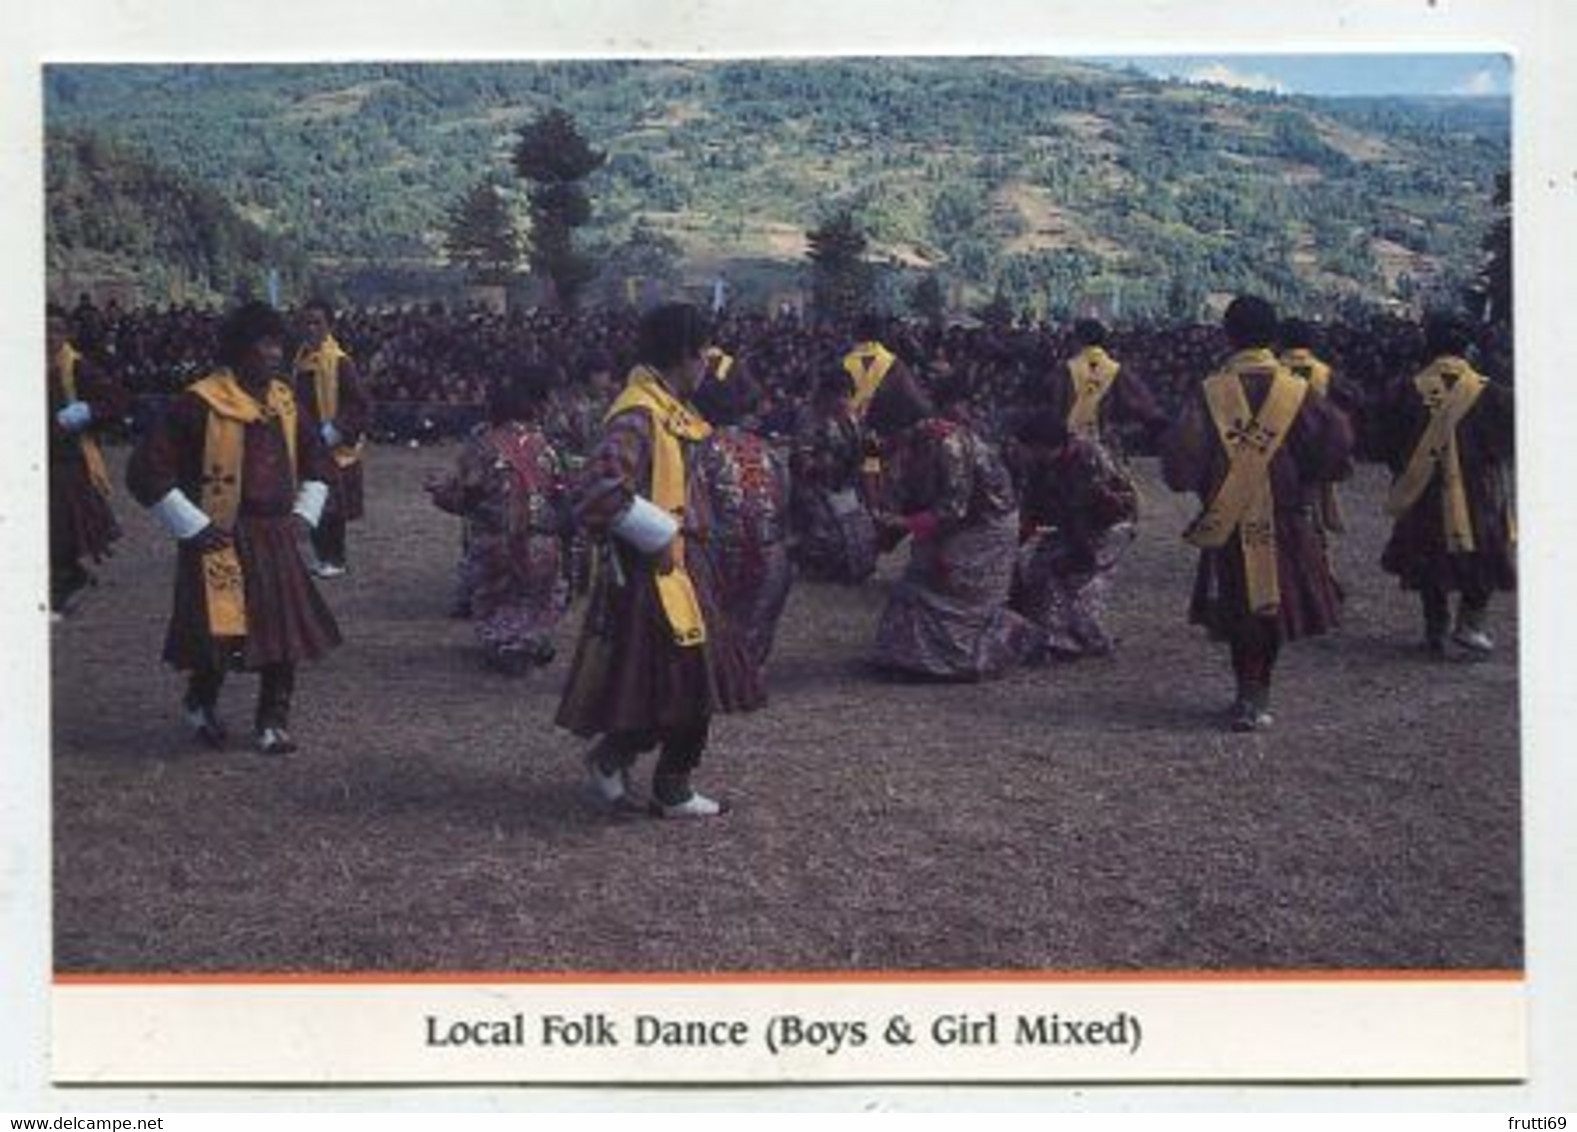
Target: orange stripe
(615, 978)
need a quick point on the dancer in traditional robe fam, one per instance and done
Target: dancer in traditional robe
(747, 484)
(655, 659)
(327, 380)
(949, 493)
(236, 470)
(1448, 436)
(508, 487)
(82, 402)
(1077, 519)
(1255, 447)
(834, 536)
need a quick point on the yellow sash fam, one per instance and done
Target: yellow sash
(868, 364)
(719, 362)
(1437, 448)
(92, 454)
(1303, 363)
(323, 364)
(1092, 371)
(671, 423)
(231, 409)
(1244, 502)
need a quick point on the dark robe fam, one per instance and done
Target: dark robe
(1416, 552)
(1317, 450)
(628, 674)
(81, 523)
(287, 621)
(347, 491)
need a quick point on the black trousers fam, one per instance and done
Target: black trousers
(328, 537)
(1255, 647)
(1437, 608)
(680, 754)
(278, 684)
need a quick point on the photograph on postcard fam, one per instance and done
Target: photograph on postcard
(819, 525)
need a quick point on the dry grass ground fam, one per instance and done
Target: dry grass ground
(1086, 816)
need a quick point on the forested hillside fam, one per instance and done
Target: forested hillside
(1049, 180)
(113, 213)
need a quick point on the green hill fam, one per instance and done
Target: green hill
(114, 215)
(1054, 180)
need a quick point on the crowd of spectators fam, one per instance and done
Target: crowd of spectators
(428, 368)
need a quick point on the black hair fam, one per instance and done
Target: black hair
(726, 401)
(1297, 335)
(670, 333)
(322, 306)
(868, 326)
(899, 404)
(1445, 333)
(836, 383)
(244, 327)
(1089, 332)
(1249, 321)
(519, 395)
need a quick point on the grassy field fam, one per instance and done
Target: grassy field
(1091, 816)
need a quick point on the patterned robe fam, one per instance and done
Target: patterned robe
(508, 487)
(1079, 511)
(748, 486)
(947, 617)
(834, 537)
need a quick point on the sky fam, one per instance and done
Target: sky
(1336, 74)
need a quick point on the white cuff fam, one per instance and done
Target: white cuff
(645, 526)
(331, 435)
(179, 515)
(310, 498)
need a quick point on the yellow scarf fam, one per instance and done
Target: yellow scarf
(718, 362)
(92, 455)
(1437, 448)
(1303, 363)
(1092, 371)
(868, 364)
(231, 409)
(1244, 502)
(672, 423)
(323, 364)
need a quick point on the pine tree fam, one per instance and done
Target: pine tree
(553, 156)
(481, 235)
(840, 283)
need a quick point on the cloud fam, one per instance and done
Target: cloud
(1479, 82)
(1223, 75)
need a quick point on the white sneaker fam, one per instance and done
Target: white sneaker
(1474, 640)
(697, 805)
(327, 570)
(609, 789)
(275, 741)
